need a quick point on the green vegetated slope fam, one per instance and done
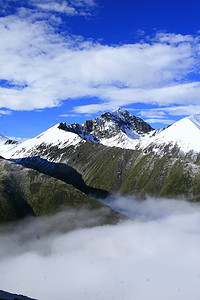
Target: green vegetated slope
(133, 172)
(27, 192)
(114, 169)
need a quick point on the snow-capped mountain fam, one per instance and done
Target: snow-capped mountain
(138, 160)
(53, 137)
(117, 129)
(182, 137)
(6, 144)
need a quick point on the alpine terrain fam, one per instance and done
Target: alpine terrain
(115, 152)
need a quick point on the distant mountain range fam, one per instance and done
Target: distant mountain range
(116, 129)
(117, 152)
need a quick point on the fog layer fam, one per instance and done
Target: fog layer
(153, 256)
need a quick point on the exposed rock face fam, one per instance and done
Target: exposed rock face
(8, 142)
(109, 125)
(118, 152)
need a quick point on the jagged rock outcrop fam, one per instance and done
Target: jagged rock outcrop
(11, 142)
(109, 125)
(118, 152)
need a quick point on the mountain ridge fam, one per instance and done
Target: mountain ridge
(117, 129)
(27, 192)
(182, 136)
(164, 163)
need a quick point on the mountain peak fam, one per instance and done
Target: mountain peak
(122, 114)
(118, 128)
(183, 136)
(120, 111)
(125, 120)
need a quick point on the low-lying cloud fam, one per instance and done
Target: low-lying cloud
(155, 255)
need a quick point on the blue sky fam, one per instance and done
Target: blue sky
(73, 60)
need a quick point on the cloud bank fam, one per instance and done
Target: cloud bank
(43, 68)
(153, 256)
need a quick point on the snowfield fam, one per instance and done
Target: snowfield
(185, 134)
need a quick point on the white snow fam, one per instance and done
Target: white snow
(132, 134)
(3, 139)
(120, 140)
(118, 113)
(51, 137)
(4, 148)
(125, 140)
(113, 135)
(185, 134)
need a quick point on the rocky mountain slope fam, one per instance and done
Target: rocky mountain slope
(126, 171)
(116, 129)
(119, 129)
(118, 152)
(27, 192)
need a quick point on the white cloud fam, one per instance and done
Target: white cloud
(68, 115)
(58, 7)
(160, 121)
(140, 32)
(51, 68)
(71, 8)
(152, 113)
(5, 112)
(182, 110)
(154, 256)
(173, 38)
(115, 97)
(163, 114)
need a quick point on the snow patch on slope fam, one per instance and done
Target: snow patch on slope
(6, 145)
(185, 134)
(121, 140)
(116, 129)
(51, 137)
(113, 137)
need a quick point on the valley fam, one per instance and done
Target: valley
(114, 153)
